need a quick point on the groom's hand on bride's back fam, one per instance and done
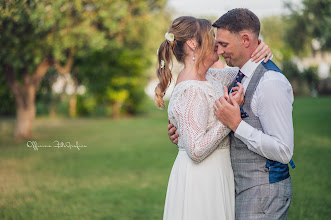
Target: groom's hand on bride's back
(173, 136)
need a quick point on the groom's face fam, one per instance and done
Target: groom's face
(229, 46)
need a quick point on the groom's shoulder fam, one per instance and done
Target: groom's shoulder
(273, 72)
(271, 66)
(274, 79)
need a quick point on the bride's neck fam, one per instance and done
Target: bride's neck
(191, 71)
(191, 74)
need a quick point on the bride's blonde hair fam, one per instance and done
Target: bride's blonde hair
(183, 28)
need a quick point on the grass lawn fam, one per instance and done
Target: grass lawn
(123, 171)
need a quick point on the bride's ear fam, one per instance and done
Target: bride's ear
(192, 44)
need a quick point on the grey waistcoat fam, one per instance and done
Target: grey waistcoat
(249, 168)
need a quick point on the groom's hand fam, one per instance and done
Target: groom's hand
(228, 112)
(173, 136)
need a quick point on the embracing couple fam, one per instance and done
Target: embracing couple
(233, 126)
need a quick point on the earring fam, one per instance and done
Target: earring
(193, 58)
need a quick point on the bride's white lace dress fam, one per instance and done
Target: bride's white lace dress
(201, 184)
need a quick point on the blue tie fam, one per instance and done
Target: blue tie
(239, 77)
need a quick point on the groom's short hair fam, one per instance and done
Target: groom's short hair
(239, 19)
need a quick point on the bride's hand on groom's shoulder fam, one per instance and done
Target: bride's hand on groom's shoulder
(263, 51)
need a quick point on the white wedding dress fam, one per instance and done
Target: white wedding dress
(201, 183)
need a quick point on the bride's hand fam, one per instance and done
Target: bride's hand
(262, 51)
(238, 94)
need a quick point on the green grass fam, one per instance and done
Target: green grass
(312, 147)
(123, 171)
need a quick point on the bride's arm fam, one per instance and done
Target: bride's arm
(198, 142)
(223, 76)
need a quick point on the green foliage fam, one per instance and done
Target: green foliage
(113, 42)
(311, 76)
(7, 106)
(45, 97)
(313, 21)
(52, 27)
(87, 105)
(273, 30)
(22, 39)
(123, 172)
(291, 70)
(115, 76)
(34, 29)
(303, 83)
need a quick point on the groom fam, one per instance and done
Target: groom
(261, 141)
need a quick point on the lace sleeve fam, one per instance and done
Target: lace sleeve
(224, 76)
(197, 141)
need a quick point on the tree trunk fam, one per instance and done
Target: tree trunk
(25, 112)
(52, 110)
(73, 105)
(25, 95)
(117, 109)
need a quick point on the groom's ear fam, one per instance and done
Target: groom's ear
(246, 39)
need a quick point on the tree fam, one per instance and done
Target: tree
(119, 74)
(308, 24)
(276, 39)
(36, 34)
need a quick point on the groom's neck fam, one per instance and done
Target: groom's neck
(248, 54)
(252, 47)
(245, 57)
(244, 60)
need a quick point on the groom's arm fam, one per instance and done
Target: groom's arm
(274, 106)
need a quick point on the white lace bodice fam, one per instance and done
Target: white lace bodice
(191, 111)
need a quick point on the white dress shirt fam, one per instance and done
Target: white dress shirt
(272, 104)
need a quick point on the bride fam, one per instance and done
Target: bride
(201, 183)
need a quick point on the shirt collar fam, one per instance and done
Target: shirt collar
(249, 67)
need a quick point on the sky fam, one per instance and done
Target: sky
(216, 8)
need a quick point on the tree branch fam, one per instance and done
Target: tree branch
(40, 72)
(68, 66)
